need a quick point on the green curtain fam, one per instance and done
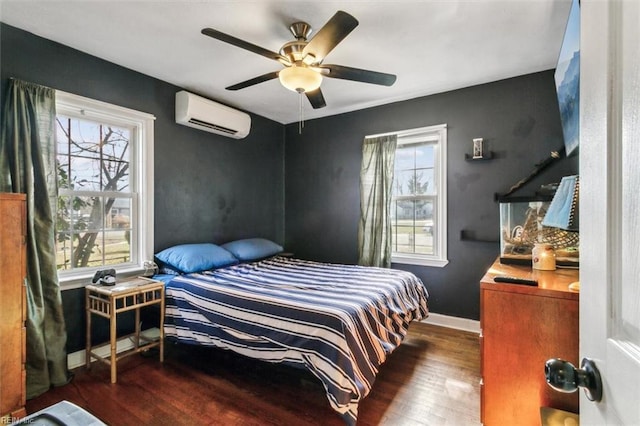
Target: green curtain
(376, 180)
(27, 165)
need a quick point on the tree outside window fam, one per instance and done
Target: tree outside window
(95, 202)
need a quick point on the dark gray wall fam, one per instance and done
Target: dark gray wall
(518, 119)
(207, 187)
(212, 188)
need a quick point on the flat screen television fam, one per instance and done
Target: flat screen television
(567, 79)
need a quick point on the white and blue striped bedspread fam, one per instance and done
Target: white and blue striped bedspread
(338, 321)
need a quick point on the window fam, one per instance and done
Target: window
(418, 206)
(104, 161)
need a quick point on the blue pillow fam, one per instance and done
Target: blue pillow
(196, 257)
(252, 248)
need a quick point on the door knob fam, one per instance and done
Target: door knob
(564, 377)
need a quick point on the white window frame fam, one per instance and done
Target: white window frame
(142, 179)
(436, 134)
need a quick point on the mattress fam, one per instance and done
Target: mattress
(338, 321)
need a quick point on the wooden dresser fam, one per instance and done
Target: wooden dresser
(523, 326)
(13, 307)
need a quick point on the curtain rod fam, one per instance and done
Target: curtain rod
(379, 135)
(29, 82)
(410, 132)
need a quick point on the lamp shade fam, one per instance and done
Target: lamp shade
(300, 78)
(563, 211)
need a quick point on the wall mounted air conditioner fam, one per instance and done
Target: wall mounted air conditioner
(205, 114)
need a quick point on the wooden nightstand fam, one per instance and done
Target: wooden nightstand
(109, 301)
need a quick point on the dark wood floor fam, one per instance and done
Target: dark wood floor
(431, 379)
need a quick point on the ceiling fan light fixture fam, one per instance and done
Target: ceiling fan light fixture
(300, 79)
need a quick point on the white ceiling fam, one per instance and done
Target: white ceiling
(431, 45)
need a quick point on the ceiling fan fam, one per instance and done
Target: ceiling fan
(302, 59)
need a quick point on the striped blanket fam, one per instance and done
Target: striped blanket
(338, 321)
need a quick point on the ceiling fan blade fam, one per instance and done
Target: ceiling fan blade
(256, 80)
(316, 99)
(245, 45)
(328, 37)
(357, 74)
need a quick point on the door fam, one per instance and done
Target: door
(610, 207)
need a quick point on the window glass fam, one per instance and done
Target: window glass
(418, 210)
(104, 156)
(93, 163)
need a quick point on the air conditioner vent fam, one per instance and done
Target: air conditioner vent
(212, 126)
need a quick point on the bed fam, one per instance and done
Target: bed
(340, 322)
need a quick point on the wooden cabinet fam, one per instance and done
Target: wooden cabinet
(523, 326)
(12, 306)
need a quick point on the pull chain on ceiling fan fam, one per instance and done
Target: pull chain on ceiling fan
(303, 70)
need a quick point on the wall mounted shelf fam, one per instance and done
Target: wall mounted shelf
(555, 155)
(485, 157)
(467, 235)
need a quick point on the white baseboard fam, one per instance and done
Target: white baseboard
(78, 358)
(453, 322)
